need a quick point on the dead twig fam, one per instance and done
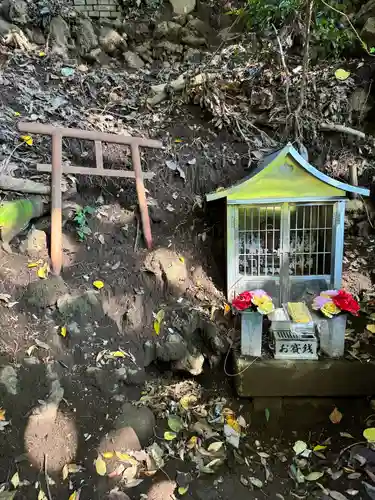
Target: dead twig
(335, 127)
(305, 67)
(46, 477)
(287, 74)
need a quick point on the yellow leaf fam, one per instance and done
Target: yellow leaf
(232, 422)
(100, 466)
(182, 259)
(182, 490)
(108, 454)
(124, 457)
(42, 54)
(42, 495)
(157, 327)
(169, 436)
(342, 74)
(370, 328)
(74, 468)
(160, 316)
(73, 496)
(2, 414)
(28, 139)
(117, 354)
(15, 480)
(63, 331)
(65, 472)
(188, 401)
(214, 447)
(177, 141)
(369, 434)
(336, 416)
(98, 284)
(43, 271)
(192, 443)
(30, 265)
(226, 308)
(16, 113)
(319, 447)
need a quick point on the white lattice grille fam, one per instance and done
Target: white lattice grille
(310, 240)
(308, 245)
(259, 240)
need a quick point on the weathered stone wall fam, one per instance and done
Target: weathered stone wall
(98, 8)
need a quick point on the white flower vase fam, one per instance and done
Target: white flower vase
(332, 335)
(251, 333)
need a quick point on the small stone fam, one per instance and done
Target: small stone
(183, 6)
(35, 245)
(106, 381)
(6, 28)
(117, 495)
(111, 41)
(135, 376)
(149, 350)
(45, 293)
(123, 439)
(192, 363)
(73, 328)
(193, 40)
(368, 31)
(15, 11)
(59, 33)
(141, 420)
(9, 379)
(173, 348)
(168, 30)
(80, 307)
(133, 60)
(85, 35)
(35, 35)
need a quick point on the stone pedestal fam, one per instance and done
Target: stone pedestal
(251, 333)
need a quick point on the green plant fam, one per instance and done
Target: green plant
(81, 222)
(262, 14)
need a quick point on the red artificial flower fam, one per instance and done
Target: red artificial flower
(242, 301)
(346, 302)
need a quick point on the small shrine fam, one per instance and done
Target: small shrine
(284, 246)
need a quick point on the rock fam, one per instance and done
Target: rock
(359, 101)
(137, 31)
(162, 490)
(6, 28)
(149, 349)
(106, 381)
(173, 348)
(193, 40)
(141, 420)
(131, 376)
(192, 363)
(200, 27)
(45, 293)
(15, 11)
(80, 308)
(183, 6)
(35, 35)
(35, 245)
(117, 495)
(193, 55)
(111, 41)
(85, 35)
(167, 47)
(9, 379)
(368, 32)
(144, 51)
(59, 33)
(366, 11)
(123, 440)
(169, 30)
(213, 337)
(73, 328)
(133, 60)
(156, 214)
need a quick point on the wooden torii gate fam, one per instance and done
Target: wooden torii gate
(57, 169)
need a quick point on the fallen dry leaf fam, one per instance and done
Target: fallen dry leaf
(100, 466)
(335, 416)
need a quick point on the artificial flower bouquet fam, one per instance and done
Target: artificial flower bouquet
(333, 302)
(255, 300)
